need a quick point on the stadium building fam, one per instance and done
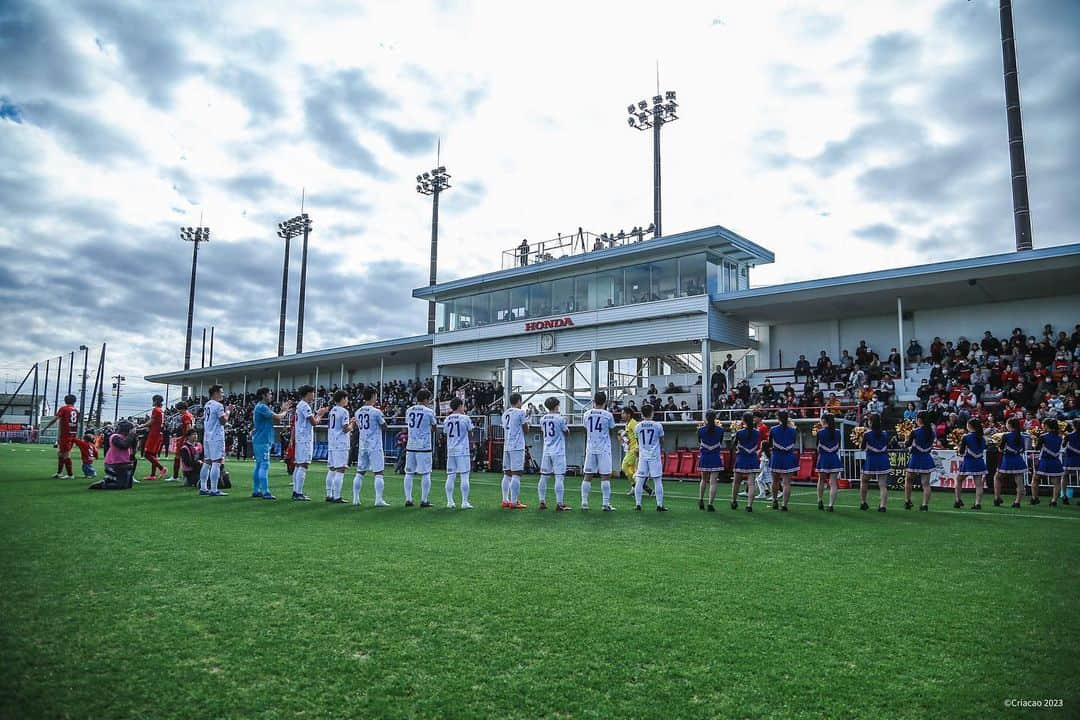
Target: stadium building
(580, 313)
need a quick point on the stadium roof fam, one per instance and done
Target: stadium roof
(1044, 272)
(717, 240)
(410, 349)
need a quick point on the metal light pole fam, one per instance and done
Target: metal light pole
(642, 117)
(82, 391)
(194, 235)
(433, 183)
(116, 393)
(202, 360)
(211, 346)
(1017, 163)
(305, 222)
(293, 227)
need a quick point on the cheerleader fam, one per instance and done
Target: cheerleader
(747, 445)
(921, 462)
(1050, 449)
(1013, 463)
(876, 466)
(783, 458)
(973, 449)
(1071, 466)
(710, 463)
(828, 460)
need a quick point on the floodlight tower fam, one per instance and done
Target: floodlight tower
(293, 227)
(642, 117)
(194, 235)
(432, 183)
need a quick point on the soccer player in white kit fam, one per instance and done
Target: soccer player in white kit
(215, 415)
(554, 429)
(649, 436)
(515, 423)
(338, 431)
(456, 427)
(370, 421)
(304, 442)
(420, 420)
(598, 424)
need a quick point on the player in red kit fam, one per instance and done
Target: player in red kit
(68, 417)
(154, 439)
(187, 421)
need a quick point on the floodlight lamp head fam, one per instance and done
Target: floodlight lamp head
(630, 121)
(441, 170)
(642, 105)
(670, 94)
(657, 100)
(631, 108)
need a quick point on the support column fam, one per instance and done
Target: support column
(639, 368)
(570, 383)
(316, 383)
(900, 331)
(245, 388)
(277, 385)
(508, 379)
(435, 391)
(594, 372)
(382, 367)
(341, 383)
(654, 367)
(706, 375)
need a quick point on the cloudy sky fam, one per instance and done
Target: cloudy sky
(842, 136)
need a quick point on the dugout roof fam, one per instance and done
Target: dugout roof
(1045, 272)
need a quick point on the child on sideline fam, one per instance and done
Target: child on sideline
(89, 452)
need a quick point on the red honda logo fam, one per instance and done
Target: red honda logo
(548, 324)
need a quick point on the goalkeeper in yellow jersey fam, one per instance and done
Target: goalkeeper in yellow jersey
(630, 449)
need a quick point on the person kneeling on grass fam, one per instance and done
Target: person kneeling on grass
(119, 464)
(190, 455)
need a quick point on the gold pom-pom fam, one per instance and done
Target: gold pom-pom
(904, 428)
(857, 435)
(736, 426)
(955, 437)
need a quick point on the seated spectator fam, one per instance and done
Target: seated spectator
(824, 370)
(914, 352)
(910, 412)
(802, 368)
(768, 392)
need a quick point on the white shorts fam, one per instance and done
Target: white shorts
(418, 462)
(214, 449)
(337, 457)
(304, 449)
(513, 460)
(372, 460)
(649, 468)
(553, 464)
(598, 463)
(458, 463)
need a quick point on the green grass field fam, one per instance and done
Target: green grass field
(158, 603)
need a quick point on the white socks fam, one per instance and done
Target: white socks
(559, 489)
(215, 475)
(449, 488)
(506, 487)
(586, 486)
(378, 488)
(515, 488)
(541, 489)
(639, 487)
(357, 485)
(330, 483)
(408, 487)
(339, 480)
(298, 479)
(425, 487)
(204, 477)
(659, 490)
(605, 490)
(464, 488)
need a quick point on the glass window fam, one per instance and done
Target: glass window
(692, 275)
(731, 281)
(637, 284)
(562, 296)
(461, 314)
(482, 309)
(441, 312)
(540, 299)
(519, 303)
(664, 279)
(606, 289)
(582, 283)
(500, 305)
(744, 277)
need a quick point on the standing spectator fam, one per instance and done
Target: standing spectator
(802, 368)
(914, 352)
(523, 252)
